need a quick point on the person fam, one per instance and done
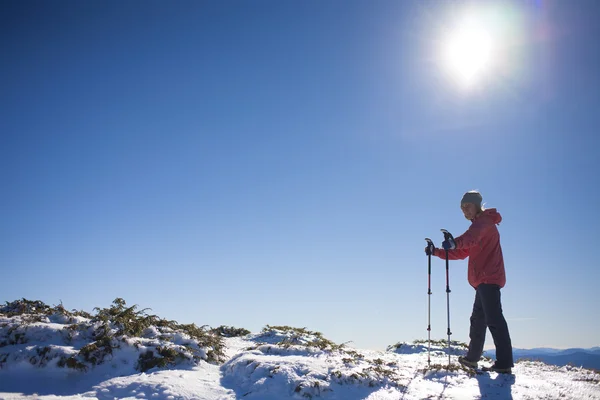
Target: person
(486, 274)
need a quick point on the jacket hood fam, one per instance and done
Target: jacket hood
(493, 215)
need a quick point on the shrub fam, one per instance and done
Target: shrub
(108, 330)
(230, 331)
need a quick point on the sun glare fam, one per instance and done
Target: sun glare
(468, 53)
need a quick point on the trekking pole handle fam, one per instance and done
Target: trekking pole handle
(447, 235)
(430, 243)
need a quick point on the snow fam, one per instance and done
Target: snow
(269, 365)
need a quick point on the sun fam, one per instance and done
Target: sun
(468, 53)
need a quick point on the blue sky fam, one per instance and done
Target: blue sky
(253, 163)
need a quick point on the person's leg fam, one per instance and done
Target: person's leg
(477, 330)
(494, 319)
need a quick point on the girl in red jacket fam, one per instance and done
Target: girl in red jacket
(481, 243)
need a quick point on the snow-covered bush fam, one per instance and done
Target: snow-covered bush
(303, 363)
(287, 336)
(34, 333)
(230, 331)
(437, 347)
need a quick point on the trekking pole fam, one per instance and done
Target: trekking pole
(431, 246)
(448, 236)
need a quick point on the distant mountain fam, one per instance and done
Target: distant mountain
(587, 358)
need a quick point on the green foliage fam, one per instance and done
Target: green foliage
(449, 368)
(286, 328)
(35, 310)
(164, 357)
(128, 320)
(109, 329)
(309, 391)
(355, 355)
(60, 309)
(131, 322)
(439, 343)
(594, 379)
(302, 337)
(230, 331)
(14, 335)
(95, 353)
(206, 339)
(355, 367)
(24, 306)
(370, 373)
(42, 356)
(73, 363)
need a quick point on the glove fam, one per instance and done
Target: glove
(430, 249)
(448, 244)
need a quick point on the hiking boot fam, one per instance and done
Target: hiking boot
(467, 363)
(498, 369)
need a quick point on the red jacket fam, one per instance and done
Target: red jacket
(481, 243)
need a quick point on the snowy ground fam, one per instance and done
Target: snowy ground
(270, 365)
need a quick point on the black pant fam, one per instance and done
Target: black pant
(487, 313)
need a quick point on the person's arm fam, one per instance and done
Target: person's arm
(456, 254)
